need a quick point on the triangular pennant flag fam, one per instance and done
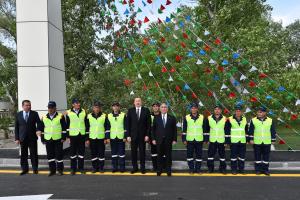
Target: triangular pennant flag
(175, 37)
(139, 76)
(253, 68)
(168, 2)
(131, 93)
(247, 110)
(166, 60)
(185, 35)
(176, 28)
(146, 20)
(245, 91)
(188, 18)
(190, 54)
(199, 62)
(158, 61)
(171, 79)
(178, 58)
(120, 60)
(168, 19)
(200, 104)
(150, 74)
(243, 77)
(139, 10)
(131, 1)
(124, 2)
(159, 11)
(126, 12)
(199, 40)
(297, 102)
(279, 119)
(224, 87)
(149, 1)
(159, 21)
(225, 62)
(202, 52)
(211, 61)
(186, 87)
(281, 141)
(285, 110)
(172, 70)
(164, 69)
(162, 7)
(194, 96)
(235, 56)
(206, 32)
(144, 4)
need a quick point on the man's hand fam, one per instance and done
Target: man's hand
(154, 142)
(185, 142)
(129, 139)
(17, 142)
(146, 138)
(62, 141)
(251, 142)
(87, 143)
(124, 140)
(39, 133)
(68, 140)
(107, 141)
(174, 142)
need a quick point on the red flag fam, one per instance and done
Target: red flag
(194, 96)
(146, 20)
(288, 126)
(173, 70)
(132, 22)
(168, 2)
(162, 7)
(231, 95)
(158, 52)
(218, 41)
(207, 70)
(226, 111)
(183, 44)
(159, 21)
(157, 84)
(163, 39)
(281, 141)
(207, 47)
(294, 117)
(206, 113)
(177, 88)
(131, 1)
(253, 99)
(210, 94)
(146, 41)
(221, 69)
(178, 58)
(263, 75)
(252, 84)
(185, 35)
(124, 2)
(140, 22)
(127, 82)
(145, 87)
(149, 1)
(164, 69)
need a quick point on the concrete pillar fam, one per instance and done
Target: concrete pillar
(40, 54)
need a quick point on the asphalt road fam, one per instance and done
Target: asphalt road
(179, 187)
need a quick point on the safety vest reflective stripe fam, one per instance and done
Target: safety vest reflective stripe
(262, 131)
(52, 129)
(116, 126)
(97, 129)
(238, 133)
(77, 123)
(194, 128)
(217, 132)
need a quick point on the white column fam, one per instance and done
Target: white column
(40, 54)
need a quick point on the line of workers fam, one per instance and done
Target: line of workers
(97, 129)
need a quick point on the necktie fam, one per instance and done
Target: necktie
(164, 120)
(138, 113)
(26, 117)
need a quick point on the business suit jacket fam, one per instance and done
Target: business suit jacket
(26, 130)
(159, 132)
(138, 129)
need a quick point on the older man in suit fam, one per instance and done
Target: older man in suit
(138, 125)
(164, 135)
(25, 135)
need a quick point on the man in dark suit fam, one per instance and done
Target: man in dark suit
(25, 135)
(138, 125)
(164, 135)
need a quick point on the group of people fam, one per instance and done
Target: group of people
(138, 127)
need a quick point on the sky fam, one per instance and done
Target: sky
(286, 11)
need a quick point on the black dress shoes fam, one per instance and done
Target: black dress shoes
(24, 172)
